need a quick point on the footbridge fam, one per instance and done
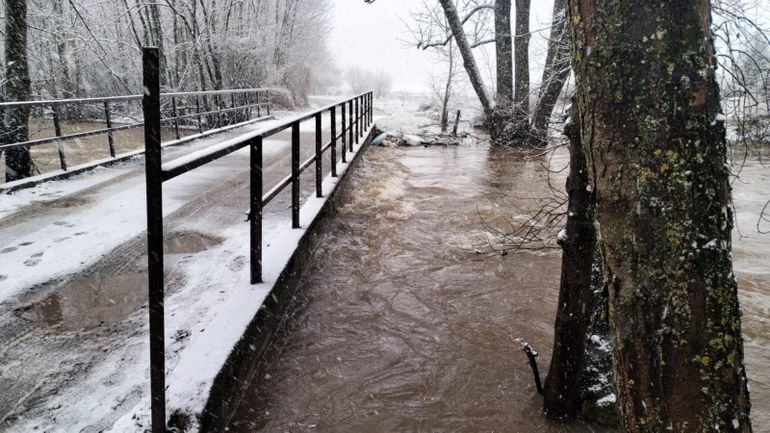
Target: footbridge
(204, 235)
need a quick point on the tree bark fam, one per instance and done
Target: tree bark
(521, 58)
(648, 112)
(561, 392)
(502, 119)
(503, 54)
(450, 11)
(555, 74)
(15, 129)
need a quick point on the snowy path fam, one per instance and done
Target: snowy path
(60, 227)
(73, 274)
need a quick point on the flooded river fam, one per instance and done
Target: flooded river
(401, 327)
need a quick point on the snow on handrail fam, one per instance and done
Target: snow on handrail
(200, 157)
(51, 102)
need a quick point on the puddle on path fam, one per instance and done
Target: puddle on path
(104, 298)
(189, 242)
(90, 301)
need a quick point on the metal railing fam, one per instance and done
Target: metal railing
(203, 110)
(359, 117)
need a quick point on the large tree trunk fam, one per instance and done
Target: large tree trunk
(450, 11)
(502, 120)
(561, 392)
(521, 50)
(15, 129)
(648, 105)
(503, 54)
(555, 74)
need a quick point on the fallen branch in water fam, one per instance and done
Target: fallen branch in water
(532, 358)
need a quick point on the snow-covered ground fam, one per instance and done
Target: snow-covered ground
(73, 338)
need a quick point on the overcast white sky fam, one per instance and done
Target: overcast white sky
(374, 35)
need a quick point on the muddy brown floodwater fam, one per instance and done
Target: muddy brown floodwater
(401, 327)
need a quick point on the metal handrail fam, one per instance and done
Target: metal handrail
(94, 100)
(59, 138)
(194, 160)
(157, 173)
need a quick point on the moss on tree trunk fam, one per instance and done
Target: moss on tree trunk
(648, 108)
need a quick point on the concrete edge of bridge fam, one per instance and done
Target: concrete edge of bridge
(33, 181)
(234, 377)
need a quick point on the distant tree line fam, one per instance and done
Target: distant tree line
(79, 48)
(516, 114)
(84, 48)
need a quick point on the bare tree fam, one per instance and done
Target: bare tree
(743, 54)
(503, 55)
(469, 62)
(521, 60)
(444, 87)
(555, 74)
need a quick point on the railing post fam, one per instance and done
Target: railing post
(217, 113)
(267, 92)
(319, 176)
(59, 143)
(110, 139)
(176, 117)
(255, 223)
(370, 108)
(344, 134)
(259, 114)
(333, 115)
(295, 175)
(198, 110)
(154, 183)
(246, 106)
(350, 125)
(233, 118)
(357, 118)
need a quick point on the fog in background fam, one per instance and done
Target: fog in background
(375, 36)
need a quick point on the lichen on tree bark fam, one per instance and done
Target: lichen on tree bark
(648, 108)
